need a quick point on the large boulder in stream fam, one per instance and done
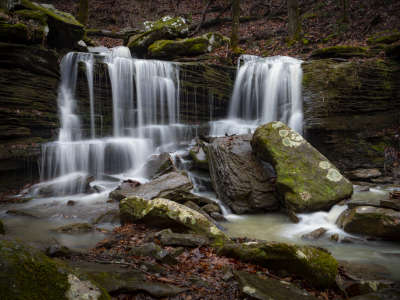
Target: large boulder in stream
(26, 273)
(311, 263)
(162, 186)
(163, 213)
(306, 180)
(372, 221)
(239, 178)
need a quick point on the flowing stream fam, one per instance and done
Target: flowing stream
(146, 120)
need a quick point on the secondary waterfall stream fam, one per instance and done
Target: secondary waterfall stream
(146, 120)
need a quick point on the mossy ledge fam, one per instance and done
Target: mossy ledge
(313, 264)
(340, 51)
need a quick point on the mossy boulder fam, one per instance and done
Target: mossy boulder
(306, 180)
(371, 221)
(28, 14)
(384, 38)
(14, 33)
(165, 28)
(313, 264)
(340, 52)
(186, 47)
(26, 273)
(64, 30)
(164, 213)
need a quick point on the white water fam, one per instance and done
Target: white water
(145, 101)
(265, 90)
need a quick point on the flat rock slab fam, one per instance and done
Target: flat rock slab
(159, 187)
(239, 178)
(265, 288)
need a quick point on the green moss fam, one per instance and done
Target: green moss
(384, 38)
(14, 32)
(340, 52)
(32, 15)
(53, 13)
(313, 264)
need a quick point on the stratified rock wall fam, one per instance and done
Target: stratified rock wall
(351, 109)
(28, 109)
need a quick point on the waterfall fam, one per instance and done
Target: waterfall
(145, 118)
(265, 90)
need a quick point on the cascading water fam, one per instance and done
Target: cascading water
(145, 95)
(265, 90)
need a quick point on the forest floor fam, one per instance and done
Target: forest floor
(200, 272)
(263, 27)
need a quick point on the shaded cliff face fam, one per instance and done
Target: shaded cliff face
(28, 109)
(352, 109)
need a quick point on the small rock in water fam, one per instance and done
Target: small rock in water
(218, 217)
(75, 228)
(334, 237)
(361, 188)
(58, 250)
(314, 235)
(293, 217)
(364, 174)
(71, 202)
(21, 213)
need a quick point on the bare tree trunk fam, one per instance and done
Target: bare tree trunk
(235, 25)
(83, 14)
(294, 22)
(344, 7)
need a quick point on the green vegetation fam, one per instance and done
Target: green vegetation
(340, 51)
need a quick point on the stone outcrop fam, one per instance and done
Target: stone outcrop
(351, 109)
(306, 180)
(240, 179)
(28, 109)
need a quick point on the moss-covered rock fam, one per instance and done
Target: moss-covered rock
(64, 30)
(306, 180)
(186, 47)
(165, 28)
(28, 14)
(26, 273)
(14, 33)
(340, 52)
(311, 263)
(372, 221)
(199, 157)
(384, 38)
(164, 213)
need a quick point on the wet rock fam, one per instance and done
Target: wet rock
(386, 294)
(199, 157)
(154, 251)
(239, 178)
(111, 216)
(98, 188)
(71, 203)
(22, 213)
(58, 250)
(211, 208)
(218, 217)
(2, 229)
(75, 228)
(364, 271)
(165, 28)
(334, 237)
(182, 196)
(376, 202)
(361, 287)
(314, 235)
(160, 187)
(372, 221)
(265, 288)
(64, 186)
(314, 264)
(170, 49)
(364, 174)
(169, 238)
(168, 214)
(27, 273)
(125, 187)
(361, 188)
(306, 180)
(159, 165)
(193, 206)
(292, 216)
(393, 203)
